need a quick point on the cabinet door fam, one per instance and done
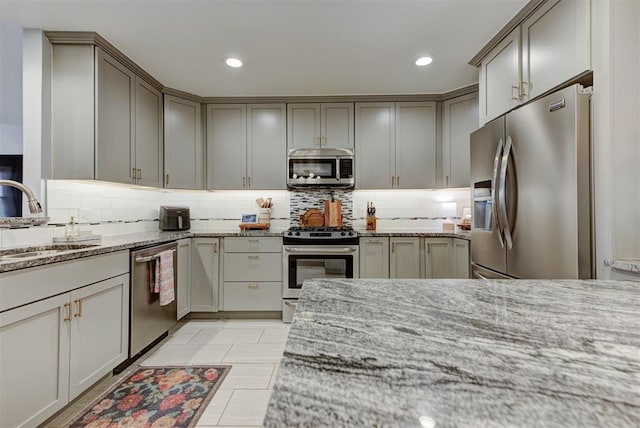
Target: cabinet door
(114, 120)
(183, 145)
(500, 78)
(34, 361)
(184, 277)
(439, 258)
(227, 146)
(405, 257)
(99, 331)
(375, 143)
(460, 119)
(557, 34)
(461, 258)
(337, 125)
(205, 270)
(303, 125)
(374, 257)
(149, 158)
(266, 146)
(415, 145)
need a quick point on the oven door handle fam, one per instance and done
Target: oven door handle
(320, 250)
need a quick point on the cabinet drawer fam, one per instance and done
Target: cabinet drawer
(253, 267)
(253, 296)
(253, 245)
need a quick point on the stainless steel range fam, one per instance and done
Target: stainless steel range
(316, 252)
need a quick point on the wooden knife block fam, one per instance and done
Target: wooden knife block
(333, 213)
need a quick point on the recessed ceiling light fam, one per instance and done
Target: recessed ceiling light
(233, 62)
(425, 60)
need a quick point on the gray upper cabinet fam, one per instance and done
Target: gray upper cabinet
(396, 145)
(148, 153)
(115, 116)
(375, 145)
(266, 146)
(106, 121)
(314, 125)
(183, 145)
(226, 146)
(516, 69)
(459, 120)
(246, 146)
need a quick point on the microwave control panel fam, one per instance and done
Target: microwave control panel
(346, 168)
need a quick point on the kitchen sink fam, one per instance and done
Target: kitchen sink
(40, 251)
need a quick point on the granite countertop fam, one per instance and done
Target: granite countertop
(429, 233)
(461, 353)
(110, 244)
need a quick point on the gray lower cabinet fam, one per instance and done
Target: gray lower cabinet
(246, 146)
(106, 121)
(438, 258)
(62, 328)
(183, 286)
(461, 259)
(205, 272)
(183, 144)
(395, 145)
(252, 273)
(404, 258)
(374, 257)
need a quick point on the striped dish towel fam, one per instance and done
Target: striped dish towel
(164, 278)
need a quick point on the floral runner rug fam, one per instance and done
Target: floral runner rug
(155, 397)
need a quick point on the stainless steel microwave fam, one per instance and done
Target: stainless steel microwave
(320, 168)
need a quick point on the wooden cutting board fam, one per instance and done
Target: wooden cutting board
(312, 218)
(333, 213)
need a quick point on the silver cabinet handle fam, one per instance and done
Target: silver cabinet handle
(393, 247)
(139, 174)
(374, 241)
(254, 286)
(249, 182)
(517, 88)
(447, 180)
(494, 190)
(428, 247)
(524, 93)
(244, 182)
(133, 175)
(215, 247)
(320, 251)
(253, 257)
(79, 313)
(393, 181)
(502, 193)
(166, 179)
(398, 181)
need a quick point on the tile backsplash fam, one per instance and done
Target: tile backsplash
(113, 209)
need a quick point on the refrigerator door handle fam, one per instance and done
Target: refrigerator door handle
(494, 187)
(502, 194)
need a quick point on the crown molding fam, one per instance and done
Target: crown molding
(517, 19)
(93, 38)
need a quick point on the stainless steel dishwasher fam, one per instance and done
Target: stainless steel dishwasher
(149, 321)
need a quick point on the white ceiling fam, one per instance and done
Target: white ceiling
(289, 47)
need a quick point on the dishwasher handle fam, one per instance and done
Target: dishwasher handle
(149, 258)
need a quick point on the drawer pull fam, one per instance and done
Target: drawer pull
(68, 315)
(254, 286)
(79, 313)
(253, 257)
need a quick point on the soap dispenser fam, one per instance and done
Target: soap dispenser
(70, 231)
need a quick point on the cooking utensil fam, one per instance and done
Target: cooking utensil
(260, 202)
(312, 217)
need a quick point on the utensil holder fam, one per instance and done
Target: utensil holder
(264, 215)
(371, 222)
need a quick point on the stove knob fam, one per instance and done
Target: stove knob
(290, 233)
(350, 233)
(342, 233)
(297, 233)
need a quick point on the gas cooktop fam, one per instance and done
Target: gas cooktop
(322, 234)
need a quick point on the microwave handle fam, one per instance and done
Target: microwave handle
(179, 222)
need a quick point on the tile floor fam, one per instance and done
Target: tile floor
(252, 347)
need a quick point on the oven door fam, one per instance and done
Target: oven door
(305, 262)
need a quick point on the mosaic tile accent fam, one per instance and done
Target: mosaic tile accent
(302, 200)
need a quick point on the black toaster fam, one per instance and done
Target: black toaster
(174, 218)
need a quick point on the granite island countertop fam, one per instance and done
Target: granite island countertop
(461, 353)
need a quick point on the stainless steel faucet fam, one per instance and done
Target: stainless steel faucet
(34, 205)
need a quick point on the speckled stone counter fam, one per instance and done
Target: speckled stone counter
(461, 353)
(116, 243)
(422, 233)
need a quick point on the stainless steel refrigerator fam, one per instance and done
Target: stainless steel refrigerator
(531, 184)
